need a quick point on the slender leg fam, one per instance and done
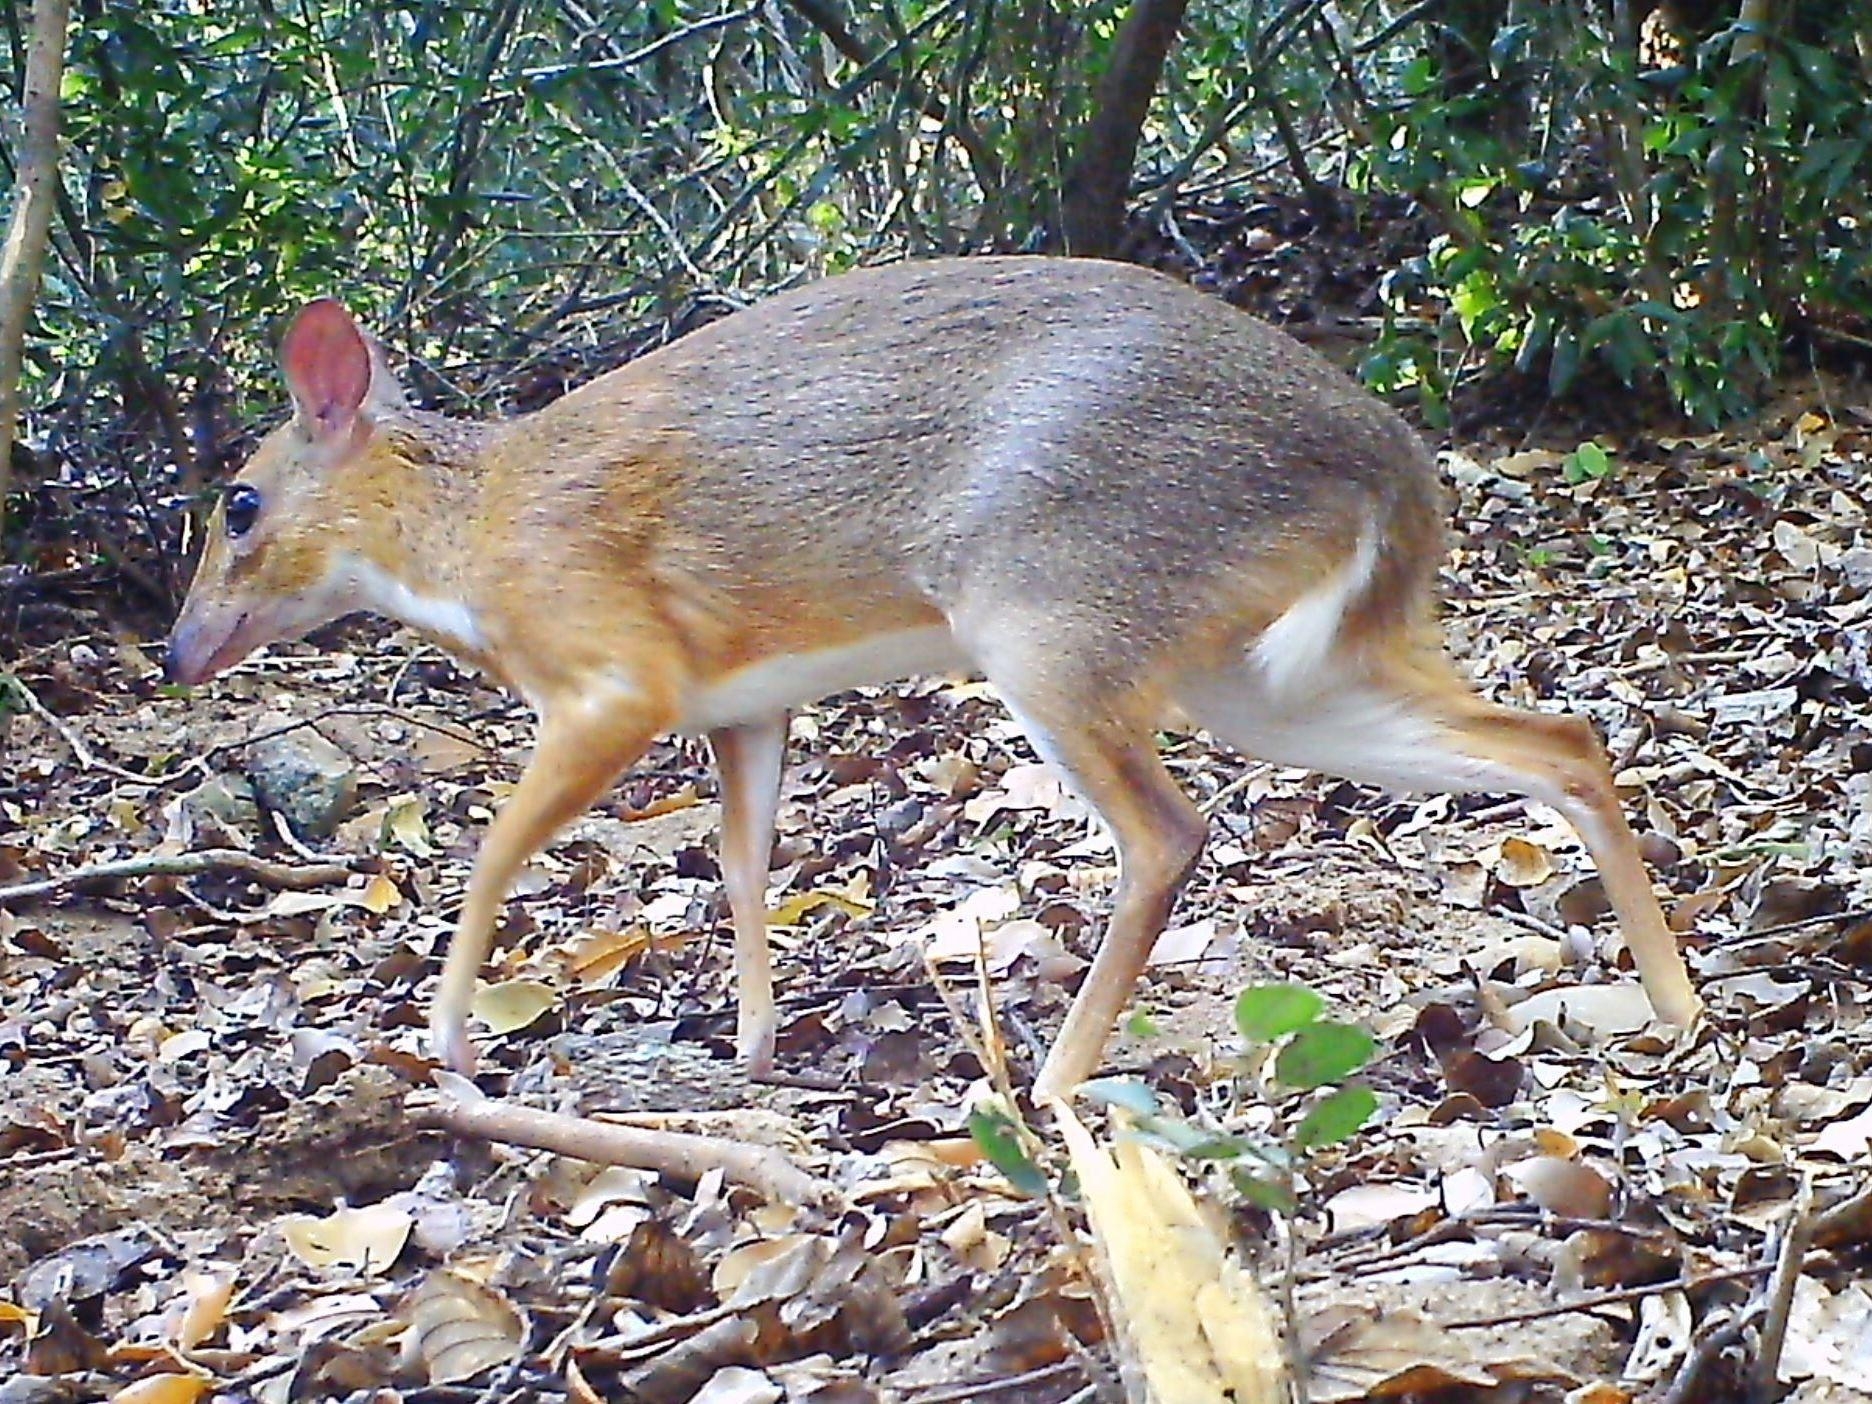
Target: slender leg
(1114, 765)
(1407, 722)
(582, 749)
(748, 759)
(1564, 765)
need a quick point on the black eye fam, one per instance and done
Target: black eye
(243, 508)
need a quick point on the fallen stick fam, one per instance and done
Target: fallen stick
(681, 1155)
(294, 877)
(86, 758)
(1796, 1234)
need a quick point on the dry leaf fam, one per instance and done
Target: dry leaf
(512, 1005)
(970, 1239)
(380, 895)
(1366, 1206)
(405, 826)
(737, 1265)
(1850, 1140)
(164, 1389)
(1597, 1010)
(368, 1240)
(789, 912)
(461, 1327)
(615, 1184)
(736, 1384)
(1664, 1328)
(685, 798)
(1520, 862)
(1359, 1354)
(595, 957)
(1563, 1187)
(1829, 1334)
(1202, 1331)
(208, 1294)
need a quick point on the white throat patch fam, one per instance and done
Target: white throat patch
(449, 621)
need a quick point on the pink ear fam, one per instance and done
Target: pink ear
(327, 365)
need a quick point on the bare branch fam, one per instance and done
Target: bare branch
(294, 878)
(1093, 201)
(678, 1154)
(34, 191)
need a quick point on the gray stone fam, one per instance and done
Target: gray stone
(307, 780)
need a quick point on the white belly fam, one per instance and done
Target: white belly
(763, 690)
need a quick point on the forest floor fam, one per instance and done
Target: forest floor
(216, 1168)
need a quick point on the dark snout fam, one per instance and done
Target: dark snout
(199, 648)
(177, 665)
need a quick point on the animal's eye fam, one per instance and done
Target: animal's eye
(243, 508)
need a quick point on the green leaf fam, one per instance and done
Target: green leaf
(1587, 461)
(1196, 1142)
(1271, 1195)
(1420, 77)
(1565, 363)
(1141, 1025)
(1264, 1013)
(1323, 1053)
(1472, 194)
(1126, 1092)
(994, 1131)
(1337, 1117)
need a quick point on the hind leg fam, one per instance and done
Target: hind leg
(1404, 720)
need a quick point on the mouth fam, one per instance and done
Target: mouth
(183, 664)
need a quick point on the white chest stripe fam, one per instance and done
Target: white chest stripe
(448, 620)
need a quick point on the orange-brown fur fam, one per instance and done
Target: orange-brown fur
(1113, 496)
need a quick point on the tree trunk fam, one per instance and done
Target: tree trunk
(1092, 204)
(36, 188)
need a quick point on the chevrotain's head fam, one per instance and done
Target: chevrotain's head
(294, 527)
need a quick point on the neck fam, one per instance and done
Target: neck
(425, 588)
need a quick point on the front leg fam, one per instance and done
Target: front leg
(584, 745)
(748, 759)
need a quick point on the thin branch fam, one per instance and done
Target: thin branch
(678, 1154)
(1796, 1235)
(86, 758)
(637, 56)
(292, 877)
(826, 20)
(1403, 21)
(1623, 1294)
(35, 190)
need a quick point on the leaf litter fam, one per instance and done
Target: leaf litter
(212, 1184)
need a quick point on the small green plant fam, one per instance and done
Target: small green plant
(1296, 1064)
(12, 697)
(1006, 1144)
(1586, 462)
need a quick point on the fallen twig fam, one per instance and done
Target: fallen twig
(1713, 1337)
(678, 1154)
(86, 758)
(1769, 933)
(1613, 1298)
(1796, 1235)
(294, 877)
